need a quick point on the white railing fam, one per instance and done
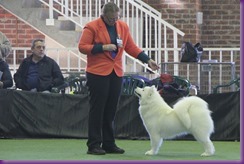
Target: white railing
(203, 75)
(149, 30)
(70, 59)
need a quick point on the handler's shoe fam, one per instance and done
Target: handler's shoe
(96, 151)
(113, 150)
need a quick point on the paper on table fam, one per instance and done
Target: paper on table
(1, 73)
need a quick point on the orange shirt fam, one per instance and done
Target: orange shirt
(102, 63)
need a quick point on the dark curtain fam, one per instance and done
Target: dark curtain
(42, 115)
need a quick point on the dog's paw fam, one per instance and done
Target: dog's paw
(150, 152)
(206, 154)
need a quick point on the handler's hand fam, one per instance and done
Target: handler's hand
(153, 65)
(109, 47)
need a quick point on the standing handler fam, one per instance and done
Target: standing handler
(103, 41)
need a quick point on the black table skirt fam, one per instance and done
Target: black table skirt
(41, 115)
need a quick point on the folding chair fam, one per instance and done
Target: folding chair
(235, 82)
(130, 83)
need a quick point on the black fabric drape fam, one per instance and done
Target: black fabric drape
(226, 115)
(42, 115)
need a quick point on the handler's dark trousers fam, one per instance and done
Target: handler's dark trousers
(104, 93)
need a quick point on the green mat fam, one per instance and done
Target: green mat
(75, 149)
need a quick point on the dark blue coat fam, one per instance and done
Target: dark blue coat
(6, 77)
(49, 74)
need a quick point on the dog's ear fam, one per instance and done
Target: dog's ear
(152, 89)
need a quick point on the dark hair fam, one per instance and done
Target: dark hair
(110, 7)
(34, 42)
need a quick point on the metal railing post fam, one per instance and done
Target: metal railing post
(50, 21)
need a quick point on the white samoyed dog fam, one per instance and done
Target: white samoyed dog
(188, 115)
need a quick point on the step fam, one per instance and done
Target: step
(31, 4)
(45, 14)
(67, 25)
(76, 19)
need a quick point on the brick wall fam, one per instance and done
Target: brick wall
(221, 20)
(220, 28)
(19, 33)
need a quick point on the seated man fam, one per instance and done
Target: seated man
(5, 75)
(38, 72)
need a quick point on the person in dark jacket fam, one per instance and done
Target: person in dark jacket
(38, 72)
(6, 79)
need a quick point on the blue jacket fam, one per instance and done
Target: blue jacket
(49, 74)
(6, 77)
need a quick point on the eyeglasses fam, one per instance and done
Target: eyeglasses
(40, 47)
(113, 19)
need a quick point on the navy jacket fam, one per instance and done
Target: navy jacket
(6, 75)
(49, 74)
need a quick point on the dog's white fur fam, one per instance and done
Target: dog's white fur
(189, 115)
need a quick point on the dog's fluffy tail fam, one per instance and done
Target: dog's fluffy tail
(189, 105)
(184, 117)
